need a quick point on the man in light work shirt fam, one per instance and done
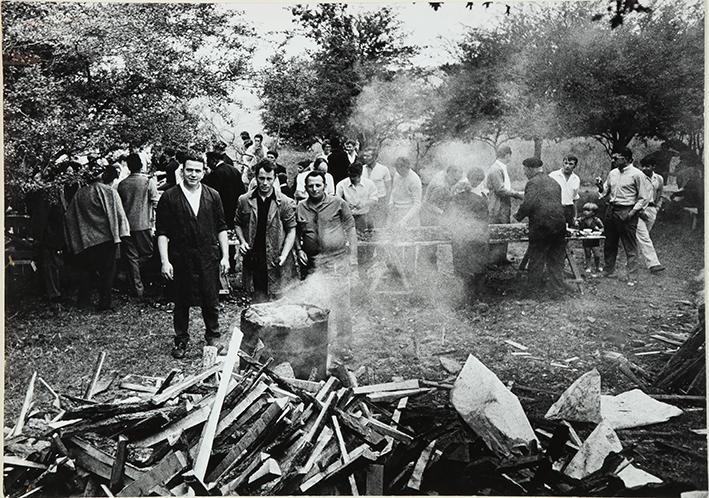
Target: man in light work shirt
(627, 192)
(360, 195)
(570, 184)
(648, 216)
(381, 176)
(406, 194)
(327, 244)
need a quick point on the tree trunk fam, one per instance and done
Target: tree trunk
(538, 147)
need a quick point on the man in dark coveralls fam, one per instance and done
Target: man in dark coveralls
(192, 241)
(547, 226)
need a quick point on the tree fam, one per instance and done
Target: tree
(100, 76)
(315, 96)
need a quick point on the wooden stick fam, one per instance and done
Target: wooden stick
(387, 430)
(232, 485)
(396, 395)
(57, 402)
(98, 462)
(387, 386)
(241, 407)
(107, 491)
(159, 475)
(116, 481)
(322, 441)
(25, 407)
(210, 428)
(338, 467)
(175, 390)
(345, 456)
(97, 373)
(167, 381)
(420, 467)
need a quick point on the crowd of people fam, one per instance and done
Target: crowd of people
(201, 215)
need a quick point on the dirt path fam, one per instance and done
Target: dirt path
(405, 336)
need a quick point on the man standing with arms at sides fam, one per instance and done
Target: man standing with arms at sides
(170, 169)
(255, 152)
(647, 217)
(381, 176)
(627, 192)
(325, 228)
(139, 195)
(192, 241)
(570, 184)
(500, 196)
(265, 227)
(547, 226)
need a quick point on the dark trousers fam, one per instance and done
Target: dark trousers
(97, 261)
(50, 263)
(619, 229)
(209, 296)
(547, 252)
(138, 248)
(569, 214)
(259, 273)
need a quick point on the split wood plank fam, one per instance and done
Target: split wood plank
(387, 386)
(396, 395)
(345, 456)
(210, 428)
(175, 390)
(353, 424)
(358, 454)
(305, 385)
(268, 471)
(388, 430)
(107, 491)
(29, 394)
(322, 441)
(57, 402)
(517, 345)
(195, 417)
(375, 480)
(417, 475)
(239, 450)
(94, 378)
(231, 486)
(241, 407)
(159, 475)
(166, 383)
(21, 462)
(98, 462)
(118, 469)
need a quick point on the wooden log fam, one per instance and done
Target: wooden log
(195, 417)
(118, 469)
(97, 462)
(387, 386)
(118, 422)
(250, 437)
(159, 475)
(177, 389)
(103, 410)
(344, 455)
(210, 428)
(88, 394)
(421, 464)
(29, 394)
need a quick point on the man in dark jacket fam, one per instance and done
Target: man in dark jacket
(192, 241)
(547, 226)
(225, 179)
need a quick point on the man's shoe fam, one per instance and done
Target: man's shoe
(656, 269)
(179, 351)
(610, 274)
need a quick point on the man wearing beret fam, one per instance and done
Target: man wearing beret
(547, 226)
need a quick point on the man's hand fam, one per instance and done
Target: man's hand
(244, 247)
(224, 265)
(282, 259)
(302, 257)
(643, 216)
(166, 270)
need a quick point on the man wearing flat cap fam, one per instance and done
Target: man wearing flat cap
(547, 226)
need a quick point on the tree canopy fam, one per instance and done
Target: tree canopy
(80, 76)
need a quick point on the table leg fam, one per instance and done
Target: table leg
(574, 269)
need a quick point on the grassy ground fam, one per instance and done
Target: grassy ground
(405, 336)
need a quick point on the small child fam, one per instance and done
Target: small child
(590, 220)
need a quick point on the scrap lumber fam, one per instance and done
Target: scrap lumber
(268, 471)
(195, 417)
(355, 456)
(97, 462)
(119, 464)
(177, 389)
(159, 475)
(345, 456)
(420, 466)
(397, 395)
(210, 428)
(375, 440)
(387, 430)
(387, 386)
(375, 480)
(88, 394)
(231, 486)
(29, 394)
(322, 441)
(241, 407)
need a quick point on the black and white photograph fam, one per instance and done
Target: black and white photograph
(405, 248)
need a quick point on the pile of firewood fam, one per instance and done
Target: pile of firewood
(685, 371)
(240, 427)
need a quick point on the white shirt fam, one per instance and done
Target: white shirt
(380, 175)
(300, 183)
(569, 187)
(352, 157)
(193, 198)
(359, 197)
